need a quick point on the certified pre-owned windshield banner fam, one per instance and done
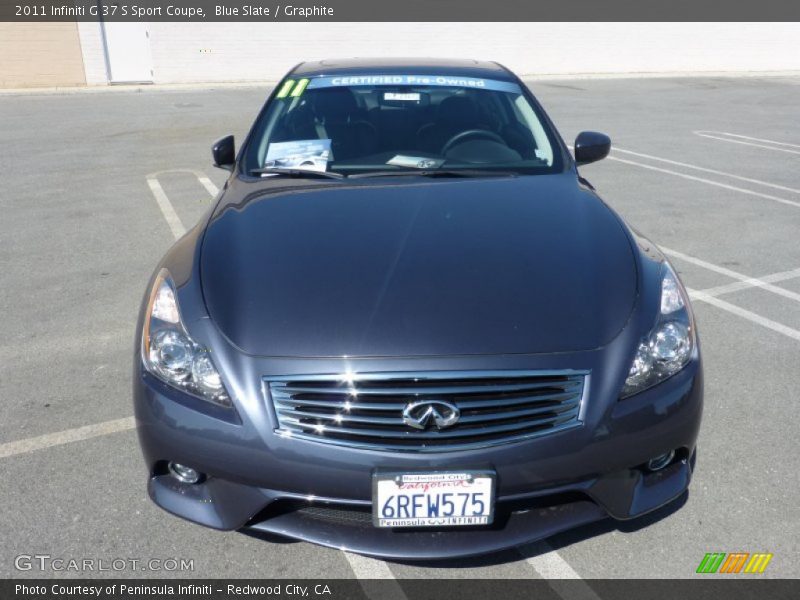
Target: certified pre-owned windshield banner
(419, 80)
(365, 11)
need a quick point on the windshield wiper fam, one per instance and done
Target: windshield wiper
(437, 173)
(293, 172)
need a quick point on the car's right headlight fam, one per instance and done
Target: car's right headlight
(669, 345)
(169, 353)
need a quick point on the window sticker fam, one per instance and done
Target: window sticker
(289, 86)
(299, 88)
(311, 155)
(401, 97)
(285, 89)
(415, 162)
(419, 80)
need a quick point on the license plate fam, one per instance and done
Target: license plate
(433, 499)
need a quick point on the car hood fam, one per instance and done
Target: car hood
(404, 268)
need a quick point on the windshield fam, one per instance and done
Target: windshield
(383, 123)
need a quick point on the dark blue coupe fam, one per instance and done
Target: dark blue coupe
(407, 327)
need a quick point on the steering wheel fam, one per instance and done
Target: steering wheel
(460, 137)
(424, 129)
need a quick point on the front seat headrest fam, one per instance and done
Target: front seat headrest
(458, 111)
(336, 104)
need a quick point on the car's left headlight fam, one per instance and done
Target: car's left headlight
(669, 345)
(169, 353)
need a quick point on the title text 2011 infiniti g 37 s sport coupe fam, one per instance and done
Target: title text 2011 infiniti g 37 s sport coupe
(408, 328)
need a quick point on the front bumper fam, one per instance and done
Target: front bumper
(322, 494)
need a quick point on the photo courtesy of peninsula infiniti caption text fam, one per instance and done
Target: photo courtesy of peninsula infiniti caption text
(408, 327)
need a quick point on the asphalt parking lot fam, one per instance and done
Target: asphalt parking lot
(708, 168)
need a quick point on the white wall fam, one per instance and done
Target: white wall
(94, 62)
(197, 52)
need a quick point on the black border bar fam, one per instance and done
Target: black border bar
(365, 11)
(700, 587)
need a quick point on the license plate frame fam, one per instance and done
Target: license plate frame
(476, 477)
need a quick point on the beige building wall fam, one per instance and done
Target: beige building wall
(40, 55)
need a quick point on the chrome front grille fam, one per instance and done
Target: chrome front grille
(366, 410)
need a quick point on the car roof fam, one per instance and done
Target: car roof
(417, 66)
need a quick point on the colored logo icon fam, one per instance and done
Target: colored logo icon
(735, 562)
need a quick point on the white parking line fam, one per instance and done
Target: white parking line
(551, 566)
(710, 296)
(207, 183)
(724, 136)
(750, 281)
(107, 427)
(755, 139)
(65, 437)
(706, 170)
(172, 218)
(708, 181)
(170, 215)
(745, 314)
(368, 569)
(737, 286)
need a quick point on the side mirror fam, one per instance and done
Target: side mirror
(224, 153)
(591, 146)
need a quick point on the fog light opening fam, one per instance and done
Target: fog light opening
(659, 462)
(184, 474)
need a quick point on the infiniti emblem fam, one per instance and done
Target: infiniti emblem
(419, 414)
